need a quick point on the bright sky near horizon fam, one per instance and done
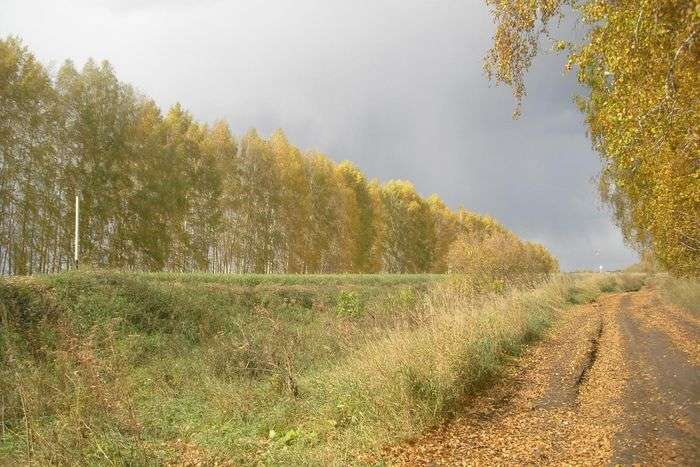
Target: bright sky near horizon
(395, 87)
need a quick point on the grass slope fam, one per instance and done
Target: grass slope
(103, 367)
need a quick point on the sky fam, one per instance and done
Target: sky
(395, 86)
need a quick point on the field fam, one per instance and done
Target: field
(345, 296)
(108, 367)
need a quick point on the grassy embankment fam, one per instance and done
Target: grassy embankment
(123, 368)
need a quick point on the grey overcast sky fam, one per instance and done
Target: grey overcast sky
(394, 86)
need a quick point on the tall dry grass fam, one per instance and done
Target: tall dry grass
(682, 292)
(420, 372)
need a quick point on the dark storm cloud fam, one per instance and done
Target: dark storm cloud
(394, 86)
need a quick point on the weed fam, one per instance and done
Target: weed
(349, 304)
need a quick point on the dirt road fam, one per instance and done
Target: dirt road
(617, 381)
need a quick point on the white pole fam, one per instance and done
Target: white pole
(75, 245)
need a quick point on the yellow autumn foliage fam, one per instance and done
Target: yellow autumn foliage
(640, 63)
(500, 258)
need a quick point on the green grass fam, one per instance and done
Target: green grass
(107, 367)
(295, 279)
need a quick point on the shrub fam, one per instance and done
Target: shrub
(500, 258)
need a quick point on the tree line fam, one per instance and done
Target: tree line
(161, 191)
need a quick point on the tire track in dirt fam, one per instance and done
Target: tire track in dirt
(601, 387)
